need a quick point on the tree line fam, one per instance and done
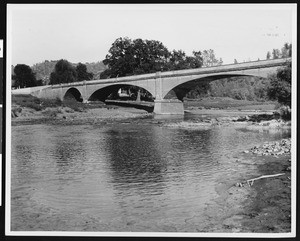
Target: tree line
(133, 57)
(276, 87)
(64, 72)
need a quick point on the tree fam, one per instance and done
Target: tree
(280, 85)
(63, 72)
(134, 57)
(24, 77)
(275, 53)
(235, 61)
(82, 73)
(286, 50)
(127, 57)
(178, 60)
(209, 58)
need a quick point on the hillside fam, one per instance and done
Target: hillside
(44, 69)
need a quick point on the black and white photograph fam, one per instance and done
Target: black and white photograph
(151, 120)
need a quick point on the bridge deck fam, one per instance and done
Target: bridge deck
(177, 73)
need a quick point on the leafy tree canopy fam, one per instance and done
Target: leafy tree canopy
(209, 58)
(280, 85)
(131, 57)
(24, 77)
(285, 52)
(63, 72)
(82, 73)
(134, 57)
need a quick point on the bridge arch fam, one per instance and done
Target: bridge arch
(73, 93)
(103, 93)
(182, 89)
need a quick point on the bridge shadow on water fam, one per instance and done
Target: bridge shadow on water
(142, 105)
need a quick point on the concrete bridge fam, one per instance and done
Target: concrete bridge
(159, 84)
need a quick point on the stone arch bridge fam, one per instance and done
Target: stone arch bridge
(159, 84)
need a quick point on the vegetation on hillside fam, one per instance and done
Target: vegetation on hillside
(64, 72)
(42, 71)
(39, 74)
(275, 87)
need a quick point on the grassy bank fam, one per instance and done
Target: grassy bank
(26, 108)
(229, 103)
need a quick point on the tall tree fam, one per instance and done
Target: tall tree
(127, 57)
(276, 53)
(209, 58)
(286, 50)
(280, 85)
(133, 57)
(23, 76)
(179, 60)
(64, 72)
(82, 73)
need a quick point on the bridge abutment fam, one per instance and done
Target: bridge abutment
(168, 107)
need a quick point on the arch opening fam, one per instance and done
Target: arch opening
(121, 92)
(201, 85)
(73, 94)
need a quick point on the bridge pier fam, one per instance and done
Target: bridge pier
(168, 107)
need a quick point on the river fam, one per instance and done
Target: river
(139, 175)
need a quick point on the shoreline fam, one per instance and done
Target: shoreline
(264, 207)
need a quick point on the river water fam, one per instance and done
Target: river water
(137, 175)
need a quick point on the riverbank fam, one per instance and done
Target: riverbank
(27, 109)
(263, 206)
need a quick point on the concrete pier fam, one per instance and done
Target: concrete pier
(168, 107)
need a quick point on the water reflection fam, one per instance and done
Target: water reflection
(135, 164)
(135, 173)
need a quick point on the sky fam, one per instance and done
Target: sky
(85, 32)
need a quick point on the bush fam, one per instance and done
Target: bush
(285, 112)
(50, 113)
(15, 111)
(24, 100)
(51, 103)
(73, 104)
(34, 106)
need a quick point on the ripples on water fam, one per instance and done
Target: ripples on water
(138, 173)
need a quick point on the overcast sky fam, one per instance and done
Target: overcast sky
(84, 33)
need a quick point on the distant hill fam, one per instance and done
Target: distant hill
(44, 69)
